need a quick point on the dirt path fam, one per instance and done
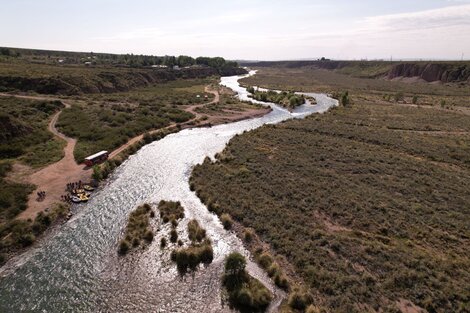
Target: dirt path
(53, 178)
(192, 108)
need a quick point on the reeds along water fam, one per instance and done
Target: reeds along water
(77, 268)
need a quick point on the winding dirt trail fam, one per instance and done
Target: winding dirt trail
(53, 178)
(191, 109)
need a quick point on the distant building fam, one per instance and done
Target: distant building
(176, 67)
(159, 66)
(88, 63)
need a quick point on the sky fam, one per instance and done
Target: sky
(243, 29)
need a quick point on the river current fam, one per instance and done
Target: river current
(76, 268)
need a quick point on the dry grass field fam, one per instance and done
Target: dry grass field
(369, 203)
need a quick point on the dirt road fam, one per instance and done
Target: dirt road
(53, 178)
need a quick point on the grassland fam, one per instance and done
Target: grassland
(368, 203)
(106, 121)
(24, 135)
(319, 80)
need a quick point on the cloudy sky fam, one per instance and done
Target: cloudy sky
(243, 29)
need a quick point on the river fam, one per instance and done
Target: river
(77, 268)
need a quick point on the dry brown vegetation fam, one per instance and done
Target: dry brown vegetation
(319, 80)
(199, 251)
(368, 202)
(138, 230)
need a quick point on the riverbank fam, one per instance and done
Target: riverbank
(81, 258)
(53, 178)
(321, 193)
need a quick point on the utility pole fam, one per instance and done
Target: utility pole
(462, 56)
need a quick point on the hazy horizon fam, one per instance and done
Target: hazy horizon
(245, 30)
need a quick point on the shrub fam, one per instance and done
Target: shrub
(244, 291)
(195, 232)
(148, 236)
(192, 256)
(281, 281)
(27, 239)
(299, 300)
(273, 269)
(443, 103)
(235, 274)
(265, 260)
(170, 210)
(123, 247)
(226, 221)
(345, 98)
(138, 228)
(415, 100)
(244, 297)
(180, 242)
(163, 242)
(173, 235)
(248, 234)
(206, 253)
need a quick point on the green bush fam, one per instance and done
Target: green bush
(235, 274)
(192, 256)
(245, 292)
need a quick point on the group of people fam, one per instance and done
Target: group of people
(75, 185)
(41, 195)
(66, 198)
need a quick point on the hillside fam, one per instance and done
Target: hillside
(369, 216)
(445, 72)
(73, 73)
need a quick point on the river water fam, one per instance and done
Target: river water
(77, 268)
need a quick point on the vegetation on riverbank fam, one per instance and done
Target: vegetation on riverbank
(23, 131)
(199, 251)
(328, 188)
(170, 211)
(317, 80)
(103, 124)
(138, 231)
(24, 137)
(244, 292)
(15, 235)
(286, 99)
